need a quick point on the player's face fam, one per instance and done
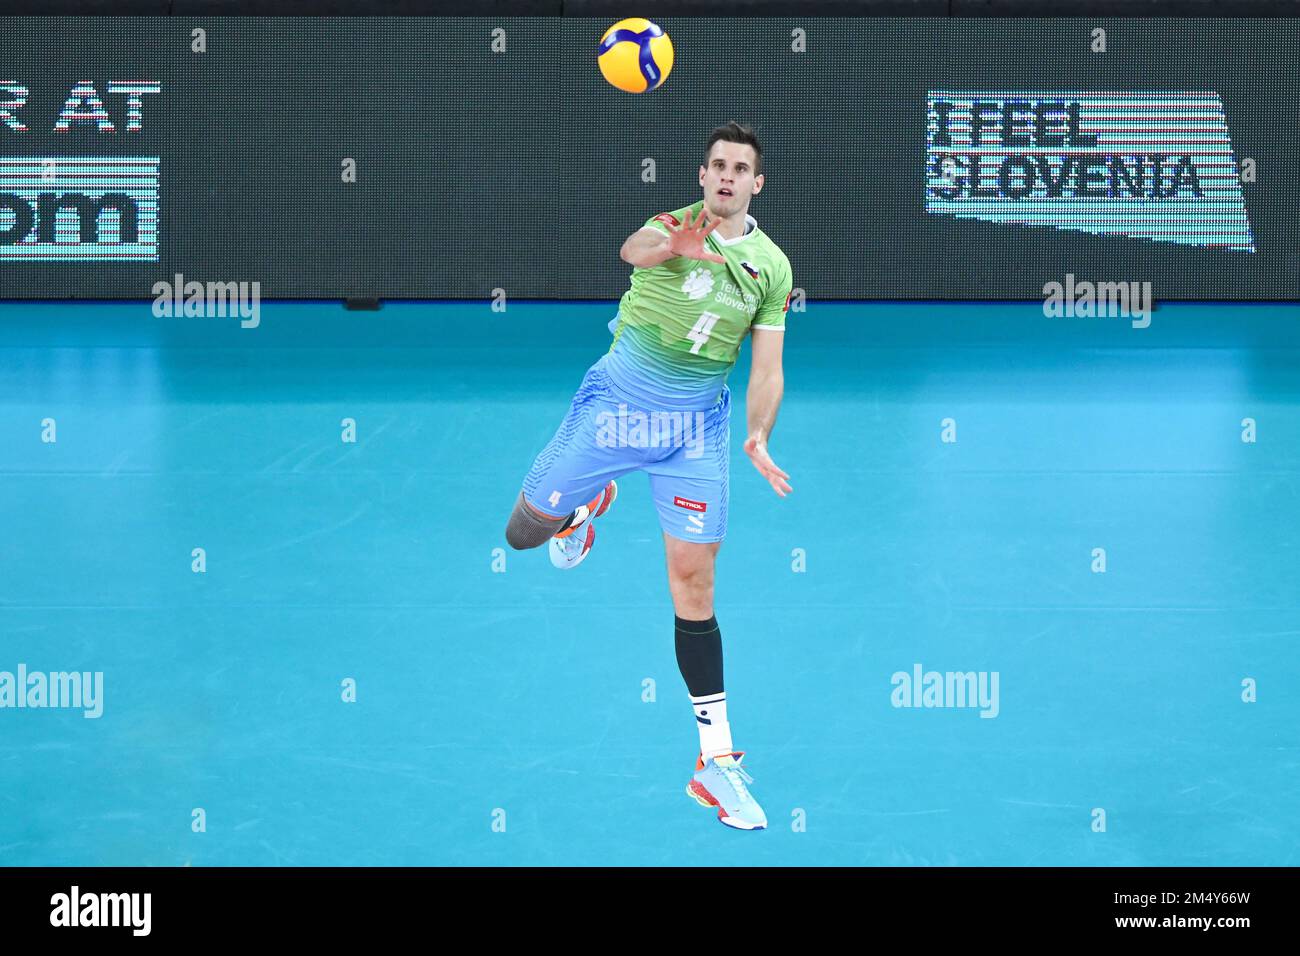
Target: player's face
(728, 178)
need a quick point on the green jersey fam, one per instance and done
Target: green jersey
(681, 323)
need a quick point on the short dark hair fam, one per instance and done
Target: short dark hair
(734, 132)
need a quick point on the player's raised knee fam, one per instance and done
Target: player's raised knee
(526, 529)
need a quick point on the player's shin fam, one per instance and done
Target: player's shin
(699, 657)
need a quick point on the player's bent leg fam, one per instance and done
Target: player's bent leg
(571, 481)
(530, 528)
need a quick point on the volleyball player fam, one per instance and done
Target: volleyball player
(704, 277)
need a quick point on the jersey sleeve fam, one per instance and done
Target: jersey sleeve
(771, 314)
(662, 222)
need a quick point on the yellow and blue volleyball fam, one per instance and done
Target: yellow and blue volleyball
(635, 55)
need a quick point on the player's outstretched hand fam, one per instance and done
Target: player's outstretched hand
(688, 241)
(756, 449)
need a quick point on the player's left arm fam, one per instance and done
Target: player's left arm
(767, 383)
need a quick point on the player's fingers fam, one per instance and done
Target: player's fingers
(713, 225)
(712, 258)
(774, 473)
(771, 471)
(770, 466)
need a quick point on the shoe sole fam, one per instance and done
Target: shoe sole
(613, 494)
(556, 544)
(591, 531)
(696, 791)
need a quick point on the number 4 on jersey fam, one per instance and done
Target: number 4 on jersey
(702, 330)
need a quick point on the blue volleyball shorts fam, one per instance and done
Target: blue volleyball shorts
(605, 436)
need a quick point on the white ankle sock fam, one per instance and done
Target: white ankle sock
(711, 721)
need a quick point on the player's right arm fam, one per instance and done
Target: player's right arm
(647, 247)
(658, 242)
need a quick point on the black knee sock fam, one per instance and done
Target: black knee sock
(699, 655)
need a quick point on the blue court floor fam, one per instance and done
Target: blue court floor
(490, 692)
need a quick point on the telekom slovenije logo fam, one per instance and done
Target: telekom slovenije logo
(1154, 165)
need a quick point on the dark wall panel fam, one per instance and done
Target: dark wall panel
(524, 170)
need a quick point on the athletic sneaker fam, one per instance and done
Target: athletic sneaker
(720, 782)
(571, 546)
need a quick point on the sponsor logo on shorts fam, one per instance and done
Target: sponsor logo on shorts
(695, 525)
(690, 505)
